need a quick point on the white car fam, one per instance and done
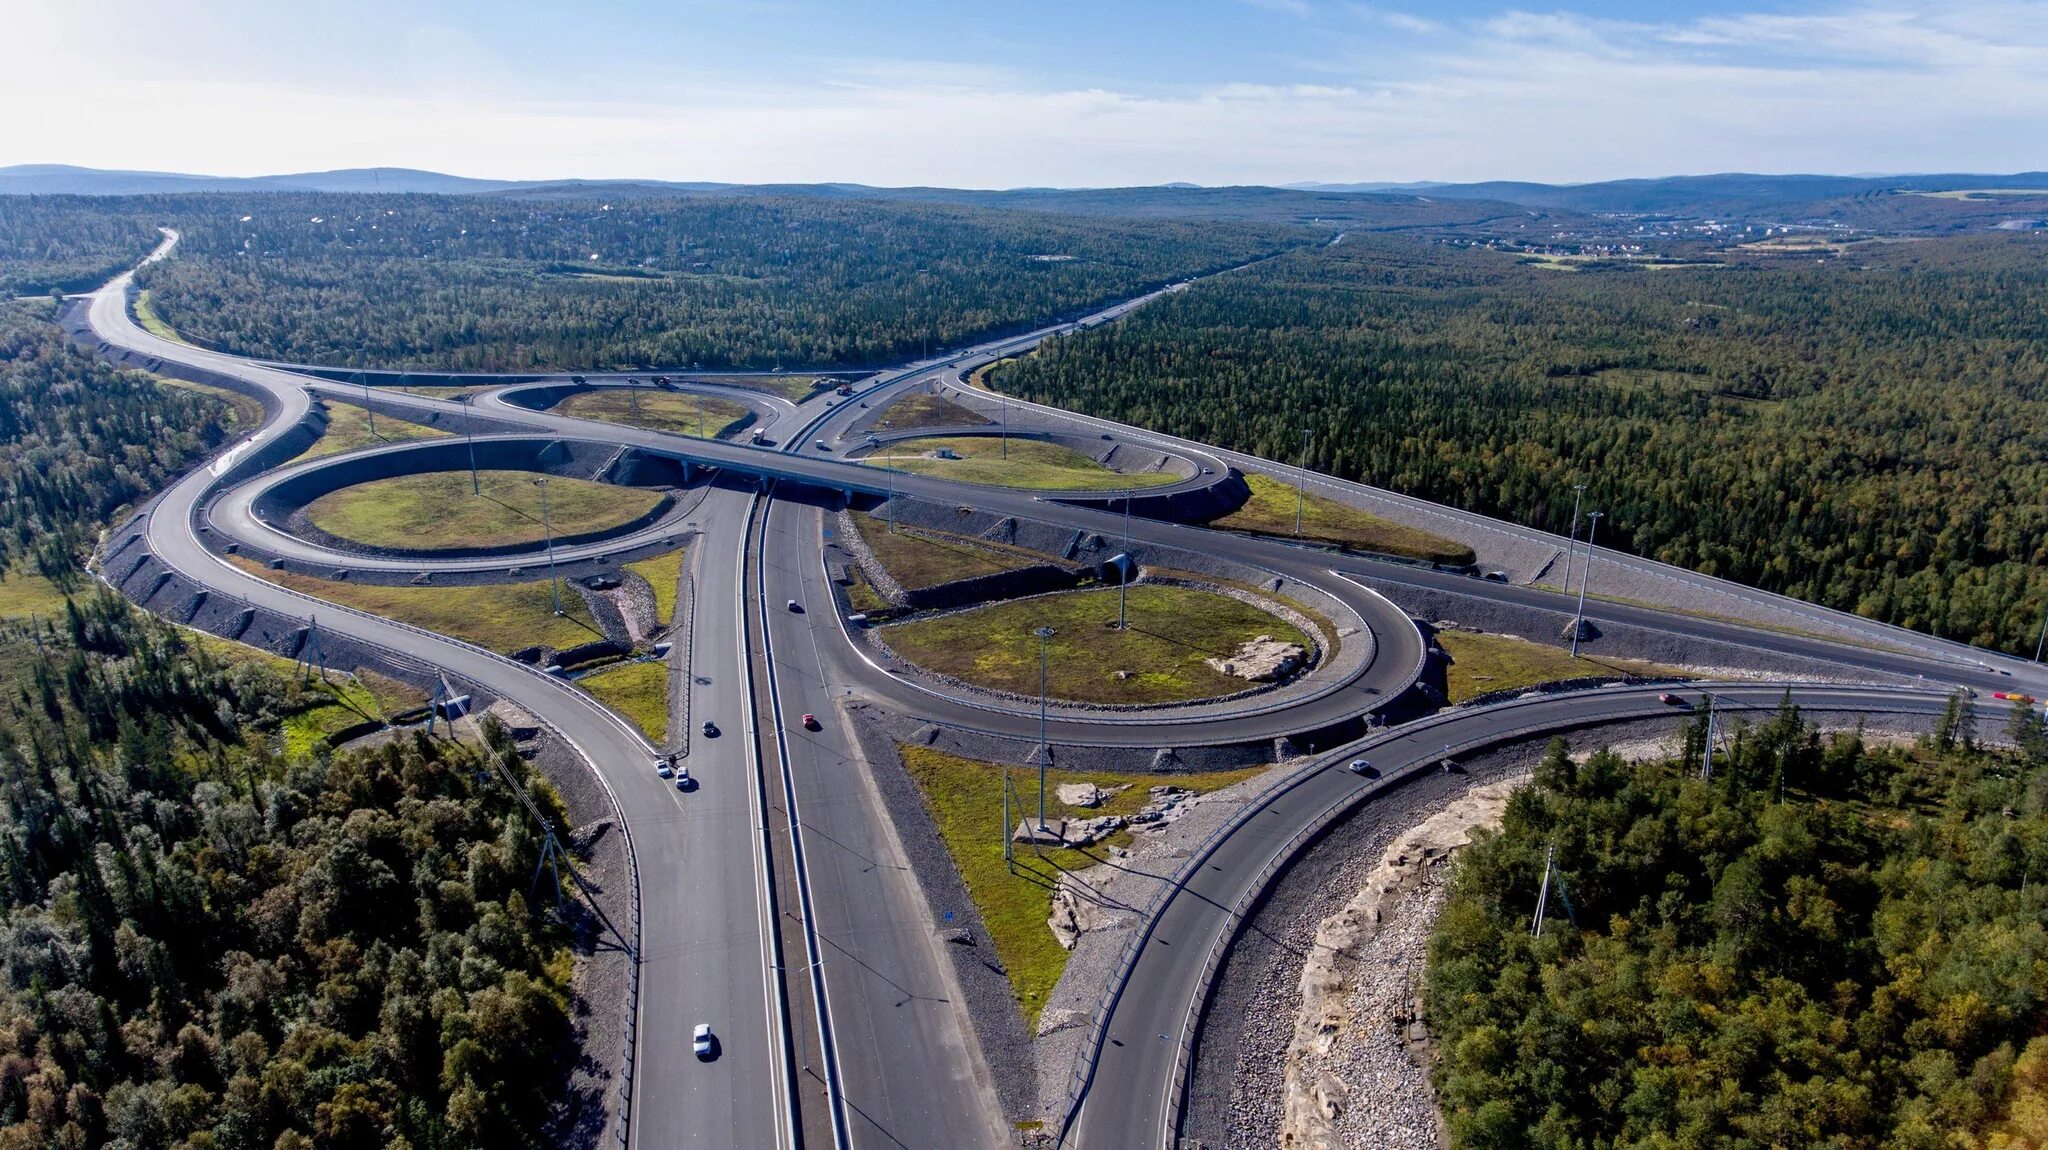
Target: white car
(700, 1040)
(661, 765)
(665, 771)
(1362, 767)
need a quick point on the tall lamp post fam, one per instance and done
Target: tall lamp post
(554, 588)
(367, 409)
(1123, 583)
(1571, 541)
(1045, 635)
(1301, 496)
(469, 431)
(1585, 577)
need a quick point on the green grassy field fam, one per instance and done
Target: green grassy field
(443, 391)
(669, 411)
(966, 801)
(662, 573)
(348, 428)
(1270, 511)
(1173, 629)
(437, 509)
(639, 691)
(1481, 664)
(501, 616)
(918, 558)
(1031, 463)
(795, 388)
(23, 592)
(921, 409)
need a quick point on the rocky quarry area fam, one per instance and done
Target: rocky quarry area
(1262, 660)
(1356, 1071)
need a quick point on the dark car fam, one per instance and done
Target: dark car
(710, 729)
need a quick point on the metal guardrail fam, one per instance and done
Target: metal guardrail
(835, 1098)
(771, 914)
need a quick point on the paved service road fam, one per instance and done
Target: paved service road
(1131, 1103)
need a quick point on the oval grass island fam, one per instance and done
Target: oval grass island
(438, 506)
(1033, 463)
(1161, 657)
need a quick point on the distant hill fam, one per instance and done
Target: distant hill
(1731, 193)
(1906, 203)
(65, 180)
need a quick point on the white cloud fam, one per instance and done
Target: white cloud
(1961, 85)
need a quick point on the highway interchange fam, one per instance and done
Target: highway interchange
(776, 901)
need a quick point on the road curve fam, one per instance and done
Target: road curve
(684, 931)
(1132, 1072)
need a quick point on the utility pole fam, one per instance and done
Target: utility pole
(554, 588)
(1585, 577)
(2042, 639)
(633, 395)
(1301, 496)
(1009, 828)
(1571, 541)
(1045, 635)
(1006, 425)
(469, 429)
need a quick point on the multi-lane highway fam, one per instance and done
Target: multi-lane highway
(845, 961)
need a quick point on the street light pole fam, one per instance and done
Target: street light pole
(469, 430)
(367, 409)
(1301, 496)
(1045, 635)
(554, 588)
(1006, 425)
(1571, 541)
(1123, 588)
(1585, 577)
(2042, 639)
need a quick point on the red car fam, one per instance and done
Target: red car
(1670, 700)
(810, 722)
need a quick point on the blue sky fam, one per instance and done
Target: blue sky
(1034, 93)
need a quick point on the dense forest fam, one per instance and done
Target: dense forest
(745, 281)
(206, 947)
(82, 440)
(1868, 431)
(68, 243)
(1826, 944)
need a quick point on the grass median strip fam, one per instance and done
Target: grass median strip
(1157, 659)
(501, 616)
(1270, 511)
(1482, 664)
(639, 691)
(348, 428)
(675, 412)
(965, 799)
(923, 409)
(918, 558)
(662, 572)
(1030, 463)
(437, 509)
